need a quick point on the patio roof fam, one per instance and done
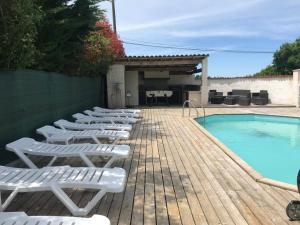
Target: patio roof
(162, 62)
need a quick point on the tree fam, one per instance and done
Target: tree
(63, 29)
(268, 71)
(285, 60)
(57, 36)
(18, 32)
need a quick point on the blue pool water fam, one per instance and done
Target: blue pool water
(270, 144)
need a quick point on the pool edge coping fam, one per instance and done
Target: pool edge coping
(241, 163)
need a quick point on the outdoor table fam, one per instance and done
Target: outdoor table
(158, 94)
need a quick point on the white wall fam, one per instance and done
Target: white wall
(157, 74)
(174, 80)
(281, 89)
(132, 86)
(296, 85)
(183, 80)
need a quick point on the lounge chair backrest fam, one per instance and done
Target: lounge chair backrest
(79, 115)
(104, 110)
(60, 123)
(88, 112)
(20, 144)
(47, 131)
(100, 109)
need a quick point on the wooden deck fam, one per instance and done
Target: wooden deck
(176, 175)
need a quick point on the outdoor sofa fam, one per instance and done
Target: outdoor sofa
(241, 97)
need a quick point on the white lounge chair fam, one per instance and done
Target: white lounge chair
(21, 218)
(28, 146)
(55, 179)
(81, 118)
(135, 111)
(53, 135)
(111, 114)
(66, 125)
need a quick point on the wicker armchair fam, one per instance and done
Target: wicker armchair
(260, 98)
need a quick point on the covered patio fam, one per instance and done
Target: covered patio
(137, 80)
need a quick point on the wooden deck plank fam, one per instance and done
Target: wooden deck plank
(176, 175)
(116, 207)
(242, 181)
(171, 201)
(160, 200)
(195, 186)
(149, 205)
(220, 198)
(128, 201)
(139, 197)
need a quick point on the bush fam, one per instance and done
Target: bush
(101, 48)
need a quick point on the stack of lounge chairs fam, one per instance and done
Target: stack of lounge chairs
(71, 139)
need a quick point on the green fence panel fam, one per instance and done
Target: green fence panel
(31, 99)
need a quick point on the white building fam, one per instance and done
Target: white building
(131, 79)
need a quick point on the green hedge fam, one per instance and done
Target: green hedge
(31, 99)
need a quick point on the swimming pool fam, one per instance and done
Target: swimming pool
(269, 144)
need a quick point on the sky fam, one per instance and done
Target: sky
(255, 25)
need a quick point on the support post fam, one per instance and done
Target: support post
(116, 86)
(296, 83)
(204, 85)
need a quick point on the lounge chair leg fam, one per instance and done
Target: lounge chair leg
(115, 141)
(112, 159)
(52, 161)
(26, 160)
(96, 140)
(87, 161)
(74, 209)
(4, 205)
